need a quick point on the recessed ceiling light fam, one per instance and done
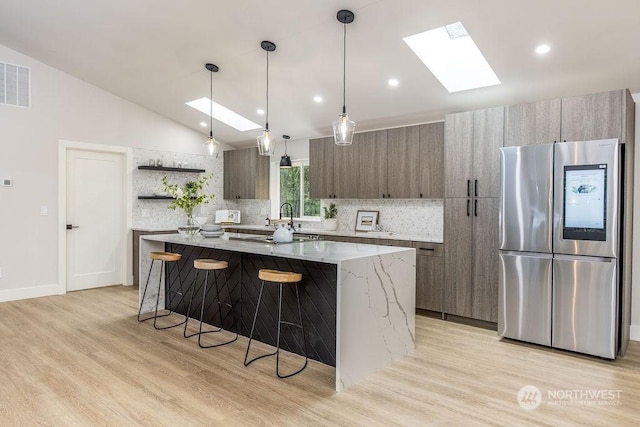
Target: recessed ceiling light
(203, 124)
(453, 57)
(393, 82)
(260, 111)
(543, 48)
(223, 114)
(317, 99)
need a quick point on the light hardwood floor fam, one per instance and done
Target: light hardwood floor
(82, 359)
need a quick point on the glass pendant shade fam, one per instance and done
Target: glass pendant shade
(266, 143)
(343, 129)
(211, 147)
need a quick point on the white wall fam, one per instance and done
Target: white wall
(62, 107)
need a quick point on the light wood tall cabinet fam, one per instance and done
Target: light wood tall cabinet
(246, 174)
(472, 142)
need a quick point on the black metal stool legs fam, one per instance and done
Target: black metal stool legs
(304, 341)
(220, 304)
(280, 322)
(167, 292)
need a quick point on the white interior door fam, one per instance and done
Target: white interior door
(95, 211)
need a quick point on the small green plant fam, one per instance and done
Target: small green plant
(331, 212)
(190, 195)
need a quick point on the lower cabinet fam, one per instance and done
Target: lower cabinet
(429, 276)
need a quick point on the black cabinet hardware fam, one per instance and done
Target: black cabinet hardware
(170, 169)
(427, 249)
(388, 196)
(468, 201)
(421, 195)
(468, 188)
(475, 207)
(475, 187)
(384, 196)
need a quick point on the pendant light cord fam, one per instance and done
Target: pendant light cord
(267, 115)
(211, 104)
(344, 70)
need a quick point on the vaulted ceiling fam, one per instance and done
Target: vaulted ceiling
(152, 52)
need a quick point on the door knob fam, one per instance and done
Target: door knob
(69, 226)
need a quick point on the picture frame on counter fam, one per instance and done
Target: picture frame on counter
(366, 220)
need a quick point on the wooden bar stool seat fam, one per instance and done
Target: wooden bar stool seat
(279, 278)
(219, 268)
(163, 257)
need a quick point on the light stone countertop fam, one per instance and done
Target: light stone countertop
(318, 251)
(366, 235)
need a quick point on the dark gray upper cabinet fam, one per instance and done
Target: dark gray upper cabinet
(431, 184)
(403, 148)
(246, 174)
(346, 171)
(321, 168)
(371, 148)
(471, 154)
(398, 163)
(532, 123)
(597, 116)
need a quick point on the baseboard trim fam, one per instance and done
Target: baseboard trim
(634, 333)
(27, 293)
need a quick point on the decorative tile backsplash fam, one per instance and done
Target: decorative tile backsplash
(403, 216)
(155, 213)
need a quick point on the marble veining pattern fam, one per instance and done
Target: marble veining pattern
(376, 313)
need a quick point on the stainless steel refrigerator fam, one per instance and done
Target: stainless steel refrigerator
(560, 243)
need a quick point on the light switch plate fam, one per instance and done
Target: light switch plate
(7, 182)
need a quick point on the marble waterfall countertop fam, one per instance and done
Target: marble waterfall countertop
(313, 250)
(374, 295)
(364, 234)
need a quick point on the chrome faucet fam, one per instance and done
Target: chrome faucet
(290, 214)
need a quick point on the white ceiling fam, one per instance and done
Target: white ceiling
(152, 52)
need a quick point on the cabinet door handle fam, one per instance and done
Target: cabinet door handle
(384, 196)
(475, 187)
(388, 196)
(427, 249)
(421, 195)
(468, 188)
(468, 201)
(475, 207)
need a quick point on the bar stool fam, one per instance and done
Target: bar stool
(163, 257)
(211, 265)
(279, 277)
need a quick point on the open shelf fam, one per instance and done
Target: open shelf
(156, 197)
(170, 169)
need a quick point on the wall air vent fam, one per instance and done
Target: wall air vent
(15, 85)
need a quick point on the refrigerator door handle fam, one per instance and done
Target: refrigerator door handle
(475, 207)
(468, 201)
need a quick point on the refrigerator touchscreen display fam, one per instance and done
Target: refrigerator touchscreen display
(585, 202)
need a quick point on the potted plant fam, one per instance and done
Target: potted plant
(186, 198)
(330, 217)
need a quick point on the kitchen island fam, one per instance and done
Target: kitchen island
(358, 300)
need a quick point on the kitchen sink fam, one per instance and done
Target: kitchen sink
(269, 239)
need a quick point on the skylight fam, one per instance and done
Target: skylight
(453, 57)
(223, 114)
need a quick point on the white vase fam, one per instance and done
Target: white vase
(330, 224)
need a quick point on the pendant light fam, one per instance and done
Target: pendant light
(266, 143)
(343, 128)
(211, 146)
(285, 161)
